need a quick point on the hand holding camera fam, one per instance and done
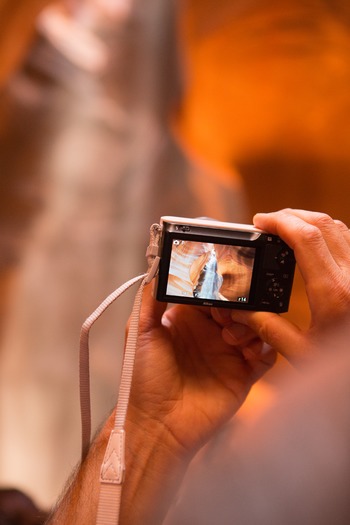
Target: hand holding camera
(322, 250)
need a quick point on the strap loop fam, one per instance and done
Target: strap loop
(113, 466)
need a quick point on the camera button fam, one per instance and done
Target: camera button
(283, 257)
(274, 288)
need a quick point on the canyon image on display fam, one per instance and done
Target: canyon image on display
(210, 271)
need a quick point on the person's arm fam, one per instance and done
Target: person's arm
(187, 382)
(322, 251)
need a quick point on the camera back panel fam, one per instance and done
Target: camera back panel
(211, 263)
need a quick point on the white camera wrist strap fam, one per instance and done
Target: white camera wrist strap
(113, 466)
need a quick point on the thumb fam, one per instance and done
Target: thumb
(151, 311)
(282, 335)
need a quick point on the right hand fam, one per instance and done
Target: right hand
(322, 250)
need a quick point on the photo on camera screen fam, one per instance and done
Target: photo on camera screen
(211, 271)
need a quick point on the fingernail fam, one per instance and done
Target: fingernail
(235, 332)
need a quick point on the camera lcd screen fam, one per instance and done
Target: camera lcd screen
(210, 271)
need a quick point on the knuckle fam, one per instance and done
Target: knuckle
(284, 213)
(342, 293)
(267, 334)
(322, 220)
(309, 233)
(265, 329)
(337, 288)
(341, 225)
(287, 211)
(262, 331)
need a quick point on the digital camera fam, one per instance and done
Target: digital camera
(212, 263)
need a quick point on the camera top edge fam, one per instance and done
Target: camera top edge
(209, 223)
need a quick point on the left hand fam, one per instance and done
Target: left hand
(187, 377)
(188, 381)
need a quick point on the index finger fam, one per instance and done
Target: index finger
(308, 241)
(276, 331)
(335, 233)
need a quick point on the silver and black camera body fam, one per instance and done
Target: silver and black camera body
(212, 263)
